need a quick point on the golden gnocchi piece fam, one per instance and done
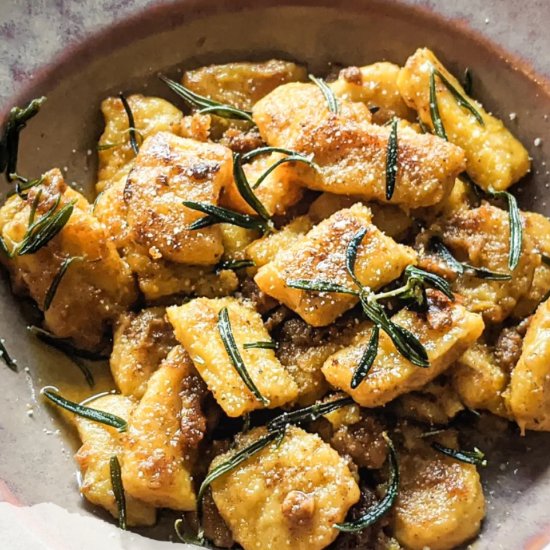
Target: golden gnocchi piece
(159, 279)
(376, 86)
(447, 331)
(528, 395)
(242, 84)
(151, 115)
(99, 444)
(140, 342)
(480, 380)
(168, 171)
(390, 219)
(480, 236)
(537, 227)
(95, 289)
(295, 493)
(196, 328)
(320, 255)
(351, 152)
(277, 192)
(262, 251)
(161, 446)
(440, 503)
(495, 158)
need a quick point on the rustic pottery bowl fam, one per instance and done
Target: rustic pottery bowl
(36, 464)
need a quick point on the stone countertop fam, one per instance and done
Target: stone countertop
(32, 32)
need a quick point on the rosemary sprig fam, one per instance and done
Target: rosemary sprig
(246, 191)
(434, 110)
(86, 412)
(41, 232)
(230, 345)
(50, 294)
(205, 105)
(276, 432)
(416, 275)
(292, 156)
(182, 532)
(307, 414)
(23, 184)
(391, 160)
(467, 81)
(516, 227)
(475, 457)
(36, 202)
(118, 490)
(238, 458)
(514, 216)
(351, 254)
(405, 342)
(437, 245)
(330, 98)
(317, 285)
(270, 344)
(460, 99)
(6, 357)
(234, 265)
(9, 144)
(131, 124)
(367, 359)
(218, 214)
(381, 508)
(64, 345)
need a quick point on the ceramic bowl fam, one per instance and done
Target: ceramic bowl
(36, 462)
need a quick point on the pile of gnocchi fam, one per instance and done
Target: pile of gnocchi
(301, 285)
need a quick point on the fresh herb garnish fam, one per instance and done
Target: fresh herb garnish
(316, 285)
(276, 432)
(326, 90)
(218, 214)
(205, 105)
(238, 458)
(234, 265)
(367, 359)
(36, 202)
(516, 227)
(43, 230)
(460, 99)
(246, 191)
(4, 248)
(230, 345)
(417, 279)
(475, 457)
(436, 244)
(434, 110)
(307, 414)
(118, 490)
(467, 81)
(86, 412)
(9, 144)
(131, 124)
(270, 344)
(50, 295)
(183, 532)
(6, 357)
(391, 160)
(292, 156)
(22, 184)
(381, 508)
(514, 217)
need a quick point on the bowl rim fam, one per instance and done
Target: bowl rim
(174, 13)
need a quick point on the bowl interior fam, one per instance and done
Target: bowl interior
(37, 464)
